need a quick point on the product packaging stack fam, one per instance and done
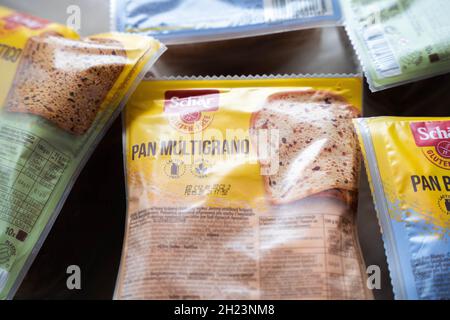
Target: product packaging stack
(243, 157)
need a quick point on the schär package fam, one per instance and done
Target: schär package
(58, 96)
(408, 163)
(242, 188)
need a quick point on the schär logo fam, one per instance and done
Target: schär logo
(191, 111)
(434, 139)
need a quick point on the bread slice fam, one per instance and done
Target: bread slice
(65, 81)
(317, 148)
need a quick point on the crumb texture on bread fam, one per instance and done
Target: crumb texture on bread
(65, 81)
(317, 149)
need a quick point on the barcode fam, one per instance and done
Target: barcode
(297, 9)
(386, 64)
(3, 278)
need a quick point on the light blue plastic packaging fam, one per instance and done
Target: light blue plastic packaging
(187, 21)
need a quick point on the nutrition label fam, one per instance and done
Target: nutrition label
(297, 252)
(320, 260)
(30, 168)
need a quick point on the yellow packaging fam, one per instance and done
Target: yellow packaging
(58, 96)
(408, 162)
(242, 189)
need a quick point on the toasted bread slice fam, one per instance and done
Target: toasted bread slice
(65, 81)
(318, 148)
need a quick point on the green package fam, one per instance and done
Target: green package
(399, 41)
(58, 96)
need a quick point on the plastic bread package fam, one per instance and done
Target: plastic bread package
(399, 41)
(408, 163)
(188, 21)
(58, 96)
(242, 188)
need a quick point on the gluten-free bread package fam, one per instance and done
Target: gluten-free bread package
(242, 189)
(58, 95)
(408, 164)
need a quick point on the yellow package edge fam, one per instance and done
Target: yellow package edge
(406, 217)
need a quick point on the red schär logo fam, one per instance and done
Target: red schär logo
(191, 111)
(434, 139)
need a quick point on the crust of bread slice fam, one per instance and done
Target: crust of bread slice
(318, 148)
(65, 81)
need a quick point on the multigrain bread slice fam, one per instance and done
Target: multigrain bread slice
(317, 148)
(66, 81)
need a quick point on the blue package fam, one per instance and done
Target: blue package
(185, 21)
